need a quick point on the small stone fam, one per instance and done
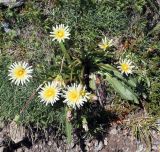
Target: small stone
(5, 26)
(95, 143)
(2, 125)
(155, 147)
(59, 149)
(156, 142)
(87, 143)
(126, 149)
(2, 149)
(106, 141)
(154, 132)
(140, 148)
(12, 3)
(19, 150)
(1, 142)
(98, 146)
(87, 148)
(113, 131)
(158, 121)
(49, 143)
(77, 148)
(40, 146)
(16, 133)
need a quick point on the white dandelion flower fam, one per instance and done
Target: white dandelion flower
(50, 93)
(126, 67)
(76, 95)
(105, 43)
(20, 72)
(60, 33)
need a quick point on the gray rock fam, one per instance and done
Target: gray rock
(19, 150)
(59, 150)
(113, 131)
(126, 149)
(1, 141)
(5, 26)
(2, 149)
(12, 3)
(140, 148)
(2, 125)
(36, 146)
(49, 143)
(16, 133)
(98, 146)
(158, 122)
(106, 141)
(155, 148)
(157, 142)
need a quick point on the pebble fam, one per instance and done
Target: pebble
(158, 122)
(36, 146)
(5, 26)
(17, 133)
(98, 146)
(49, 143)
(1, 149)
(59, 150)
(140, 148)
(113, 131)
(106, 141)
(12, 3)
(155, 147)
(2, 125)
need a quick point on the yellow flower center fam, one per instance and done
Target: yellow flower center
(20, 72)
(125, 67)
(50, 92)
(104, 46)
(60, 34)
(73, 96)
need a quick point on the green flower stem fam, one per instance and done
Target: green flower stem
(66, 54)
(31, 97)
(68, 127)
(82, 75)
(62, 64)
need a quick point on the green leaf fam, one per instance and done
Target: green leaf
(16, 118)
(155, 30)
(130, 81)
(122, 89)
(66, 54)
(148, 81)
(69, 132)
(92, 84)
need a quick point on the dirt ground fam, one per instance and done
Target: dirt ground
(118, 139)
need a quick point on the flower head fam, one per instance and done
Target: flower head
(105, 43)
(20, 72)
(76, 95)
(126, 67)
(49, 93)
(60, 82)
(60, 33)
